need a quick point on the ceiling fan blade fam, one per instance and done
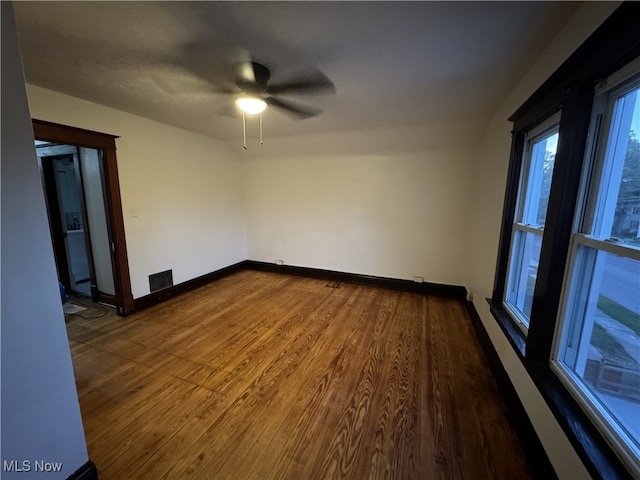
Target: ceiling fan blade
(293, 109)
(312, 81)
(216, 63)
(251, 77)
(244, 72)
(176, 80)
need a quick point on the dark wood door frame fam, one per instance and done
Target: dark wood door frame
(62, 134)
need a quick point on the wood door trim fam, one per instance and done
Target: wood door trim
(55, 132)
(124, 295)
(64, 134)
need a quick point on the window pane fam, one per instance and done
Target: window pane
(619, 204)
(533, 200)
(536, 183)
(523, 272)
(543, 154)
(603, 344)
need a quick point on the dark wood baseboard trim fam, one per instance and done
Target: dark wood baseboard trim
(166, 293)
(532, 446)
(88, 471)
(437, 289)
(426, 288)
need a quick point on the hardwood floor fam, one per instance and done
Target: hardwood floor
(267, 376)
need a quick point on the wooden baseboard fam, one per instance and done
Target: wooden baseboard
(166, 293)
(88, 471)
(532, 446)
(426, 288)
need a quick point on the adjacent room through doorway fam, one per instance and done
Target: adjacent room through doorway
(73, 180)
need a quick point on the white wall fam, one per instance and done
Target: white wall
(181, 191)
(490, 179)
(40, 412)
(386, 203)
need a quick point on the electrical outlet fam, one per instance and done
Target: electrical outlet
(418, 279)
(469, 296)
(279, 262)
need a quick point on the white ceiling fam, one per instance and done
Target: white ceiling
(393, 63)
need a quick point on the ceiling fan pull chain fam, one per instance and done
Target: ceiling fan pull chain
(244, 132)
(260, 128)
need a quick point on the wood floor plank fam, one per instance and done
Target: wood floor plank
(177, 450)
(147, 437)
(267, 376)
(277, 431)
(283, 350)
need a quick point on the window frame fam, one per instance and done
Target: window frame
(588, 240)
(545, 129)
(603, 420)
(571, 88)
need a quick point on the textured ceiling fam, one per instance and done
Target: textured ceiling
(393, 63)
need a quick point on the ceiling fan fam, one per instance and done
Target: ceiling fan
(249, 82)
(256, 93)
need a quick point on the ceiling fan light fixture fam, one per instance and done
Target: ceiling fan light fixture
(251, 105)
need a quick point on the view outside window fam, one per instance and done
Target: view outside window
(626, 218)
(600, 337)
(528, 228)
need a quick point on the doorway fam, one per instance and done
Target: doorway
(73, 183)
(80, 179)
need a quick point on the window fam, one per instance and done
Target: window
(597, 352)
(531, 212)
(567, 282)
